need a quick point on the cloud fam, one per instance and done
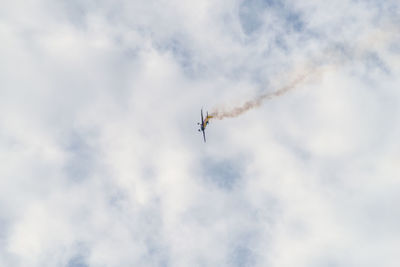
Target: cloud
(102, 165)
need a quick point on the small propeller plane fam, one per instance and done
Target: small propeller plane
(204, 123)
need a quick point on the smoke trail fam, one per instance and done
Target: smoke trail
(333, 57)
(236, 111)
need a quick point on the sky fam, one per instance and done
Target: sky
(102, 164)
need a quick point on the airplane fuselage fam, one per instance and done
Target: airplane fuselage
(204, 123)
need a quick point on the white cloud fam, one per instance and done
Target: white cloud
(102, 165)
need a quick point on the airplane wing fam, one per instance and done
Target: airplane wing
(204, 136)
(202, 120)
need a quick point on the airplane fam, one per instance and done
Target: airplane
(204, 123)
